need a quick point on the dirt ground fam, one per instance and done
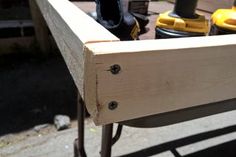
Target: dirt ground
(34, 89)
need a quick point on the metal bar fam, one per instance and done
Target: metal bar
(185, 8)
(106, 140)
(79, 150)
(118, 134)
(81, 115)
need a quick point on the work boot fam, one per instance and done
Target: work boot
(110, 14)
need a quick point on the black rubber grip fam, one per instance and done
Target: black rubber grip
(185, 8)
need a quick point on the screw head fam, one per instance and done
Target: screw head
(113, 105)
(115, 69)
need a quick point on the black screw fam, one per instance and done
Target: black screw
(115, 69)
(113, 105)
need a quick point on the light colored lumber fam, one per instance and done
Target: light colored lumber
(159, 76)
(72, 28)
(40, 27)
(156, 76)
(212, 5)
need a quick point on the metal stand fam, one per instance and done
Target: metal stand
(79, 150)
(107, 131)
(106, 140)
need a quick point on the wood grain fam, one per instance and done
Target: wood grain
(156, 76)
(72, 28)
(159, 76)
(40, 27)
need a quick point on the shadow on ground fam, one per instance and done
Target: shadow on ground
(33, 90)
(223, 149)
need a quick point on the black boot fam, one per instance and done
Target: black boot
(110, 14)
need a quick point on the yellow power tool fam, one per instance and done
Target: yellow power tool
(224, 21)
(182, 21)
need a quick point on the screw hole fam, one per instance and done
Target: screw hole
(115, 69)
(113, 105)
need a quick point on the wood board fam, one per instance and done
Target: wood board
(40, 27)
(72, 28)
(159, 76)
(156, 76)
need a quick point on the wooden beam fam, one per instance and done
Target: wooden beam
(72, 29)
(159, 76)
(156, 76)
(40, 27)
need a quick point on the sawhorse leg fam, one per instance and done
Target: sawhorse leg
(107, 139)
(79, 150)
(107, 131)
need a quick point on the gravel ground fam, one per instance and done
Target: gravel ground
(209, 136)
(34, 90)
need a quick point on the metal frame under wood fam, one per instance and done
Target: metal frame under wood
(146, 122)
(107, 132)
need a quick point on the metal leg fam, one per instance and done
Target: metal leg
(79, 150)
(106, 140)
(118, 134)
(107, 130)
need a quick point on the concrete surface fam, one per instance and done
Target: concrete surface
(210, 136)
(33, 90)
